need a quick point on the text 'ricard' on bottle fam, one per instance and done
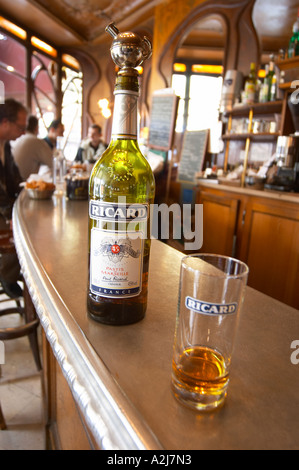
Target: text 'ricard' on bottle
(121, 190)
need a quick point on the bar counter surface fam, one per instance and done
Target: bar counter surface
(120, 376)
(270, 194)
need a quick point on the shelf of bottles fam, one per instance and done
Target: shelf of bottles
(263, 101)
(293, 48)
(289, 60)
(253, 111)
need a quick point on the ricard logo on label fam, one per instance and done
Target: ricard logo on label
(118, 211)
(210, 309)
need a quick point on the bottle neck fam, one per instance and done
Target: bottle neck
(124, 125)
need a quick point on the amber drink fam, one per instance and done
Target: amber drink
(210, 299)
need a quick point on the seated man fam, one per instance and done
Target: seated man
(30, 152)
(91, 148)
(13, 116)
(56, 129)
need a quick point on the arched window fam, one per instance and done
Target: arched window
(47, 81)
(199, 88)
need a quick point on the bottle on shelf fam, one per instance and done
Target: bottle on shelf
(269, 76)
(250, 88)
(121, 190)
(273, 90)
(293, 49)
(263, 94)
(280, 83)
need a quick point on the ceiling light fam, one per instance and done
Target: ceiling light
(12, 28)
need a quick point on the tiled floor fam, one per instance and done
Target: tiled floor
(20, 394)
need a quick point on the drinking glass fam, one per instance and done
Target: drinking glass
(211, 294)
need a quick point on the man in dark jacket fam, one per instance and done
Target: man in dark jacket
(92, 148)
(13, 117)
(55, 130)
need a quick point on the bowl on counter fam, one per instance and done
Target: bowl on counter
(39, 189)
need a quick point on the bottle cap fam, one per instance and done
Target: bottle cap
(125, 80)
(128, 50)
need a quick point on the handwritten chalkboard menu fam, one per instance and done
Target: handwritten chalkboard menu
(193, 153)
(163, 118)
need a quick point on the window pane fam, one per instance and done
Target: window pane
(13, 86)
(205, 94)
(12, 69)
(12, 54)
(44, 69)
(72, 111)
(179, 86)
(43, 100)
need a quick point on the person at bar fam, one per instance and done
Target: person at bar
(56, 129)
(13, 117)
(92, 147)
(30, 152)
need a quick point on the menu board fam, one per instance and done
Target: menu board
(162, 120)
(193, 154)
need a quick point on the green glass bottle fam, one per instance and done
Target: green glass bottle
(121, 190)
(293, 49)
(270, 76)
(250, 87)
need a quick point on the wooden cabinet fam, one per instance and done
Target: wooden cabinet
(270, 246)
(259, 228)
(220, 216)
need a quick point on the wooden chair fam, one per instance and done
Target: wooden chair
(27, 312)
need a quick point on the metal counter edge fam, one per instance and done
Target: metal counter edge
(113, 420)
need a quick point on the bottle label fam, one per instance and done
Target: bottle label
(118, 212)
(116, 256)
(124, 124)
(116, 262)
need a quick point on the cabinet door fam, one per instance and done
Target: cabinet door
(219, 223)
(270, 247)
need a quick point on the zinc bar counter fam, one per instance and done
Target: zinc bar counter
(120, 377)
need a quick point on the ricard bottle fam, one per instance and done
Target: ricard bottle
(121, 190)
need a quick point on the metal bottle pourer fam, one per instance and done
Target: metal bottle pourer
(128, 50)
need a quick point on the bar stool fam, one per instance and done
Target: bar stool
(28, 313)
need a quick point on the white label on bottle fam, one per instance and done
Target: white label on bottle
(118, 212)
(116, 262)
(124, 125)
